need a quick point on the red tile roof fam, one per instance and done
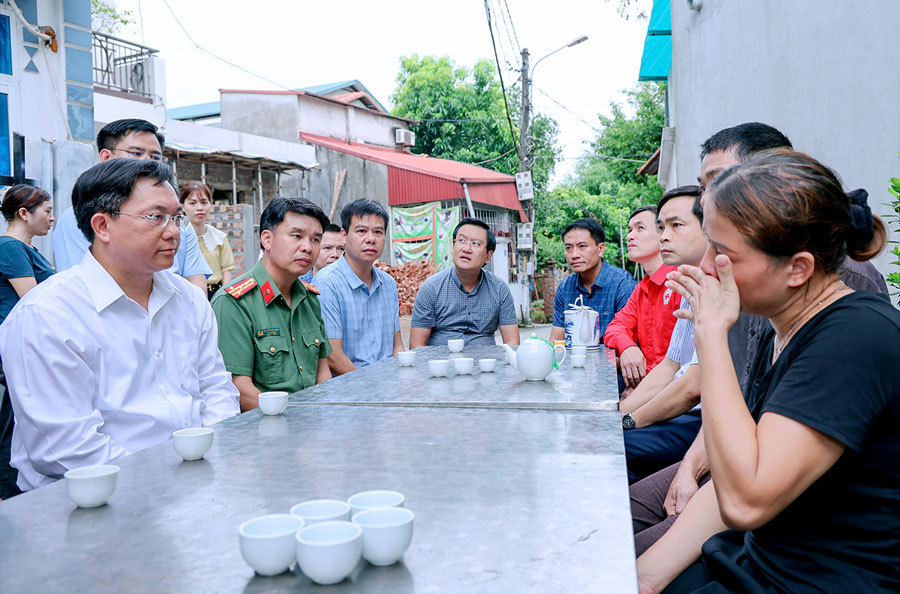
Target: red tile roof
(415, 179)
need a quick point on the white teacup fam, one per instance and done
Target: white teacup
(267, 542)
(328, 552)
(439, 367)
(578, 360)
(579, 350)
(407, 358)
(322, 510)
(373, 499)
(487, 365)
(387, 533)
(193, 443)
(456, 345)
(463, 365)
(91, 486)
(273, 403)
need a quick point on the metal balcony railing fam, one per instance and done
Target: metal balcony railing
(122, 65)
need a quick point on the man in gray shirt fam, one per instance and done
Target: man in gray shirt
(465, 301)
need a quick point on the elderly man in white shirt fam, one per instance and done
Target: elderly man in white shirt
(112, 355)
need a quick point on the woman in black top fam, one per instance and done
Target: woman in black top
(805, 462)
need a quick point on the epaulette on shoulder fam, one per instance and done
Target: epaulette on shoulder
(239, 289)
(311, 287)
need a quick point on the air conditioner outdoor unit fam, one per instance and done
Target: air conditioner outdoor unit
(404, 137)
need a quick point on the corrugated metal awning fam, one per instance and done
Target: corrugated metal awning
(656, 61)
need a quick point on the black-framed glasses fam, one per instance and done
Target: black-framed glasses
(159, 219)
(475, 243)
(141, 154)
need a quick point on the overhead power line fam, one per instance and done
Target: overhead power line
(592, 127)
(487, 10)
(515, 36)
(232, 64)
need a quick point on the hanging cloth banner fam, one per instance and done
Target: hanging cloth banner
(424, 233)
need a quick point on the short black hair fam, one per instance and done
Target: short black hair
(279, 207)
(745, 140)
(491, 240)
(640, 209)
(107, 185)
(360, 208)
(591, 225)
(690, 190)
(331, 228)
(113, 132)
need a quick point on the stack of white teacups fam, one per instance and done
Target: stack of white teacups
(327, 537)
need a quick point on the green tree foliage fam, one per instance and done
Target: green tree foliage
(462, 116)
(893, 278)
(106, 19)
(606, 185)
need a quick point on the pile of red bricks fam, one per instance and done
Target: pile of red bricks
(230, 219)
(409, 277)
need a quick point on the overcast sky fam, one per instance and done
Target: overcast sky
(296, 43)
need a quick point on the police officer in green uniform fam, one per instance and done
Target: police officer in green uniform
(271, 332)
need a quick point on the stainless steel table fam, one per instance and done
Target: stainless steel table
(506, 500)
(593, 387)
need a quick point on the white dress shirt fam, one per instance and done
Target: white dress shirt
(94, 376)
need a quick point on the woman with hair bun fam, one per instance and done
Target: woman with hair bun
(804, 463)
(28, 212)
(196, 200)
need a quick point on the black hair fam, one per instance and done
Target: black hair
(360, 208)
(331, 228)
(591, 225)
(491, 240)
(691, 190)
(279, 207)
(107, 185)
(22, 196)
(640, 209)
(113, 132)
(745, 140)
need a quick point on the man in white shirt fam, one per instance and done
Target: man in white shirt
(112, 355)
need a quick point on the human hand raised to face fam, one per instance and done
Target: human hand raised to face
(714, 298)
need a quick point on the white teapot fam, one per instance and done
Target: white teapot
(534, 359)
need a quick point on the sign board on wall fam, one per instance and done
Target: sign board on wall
(525, 236)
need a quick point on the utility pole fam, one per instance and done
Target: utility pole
(525, 146)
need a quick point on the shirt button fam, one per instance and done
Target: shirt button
(272, 350)
(301, 368)
(293, 339)
(317, 341)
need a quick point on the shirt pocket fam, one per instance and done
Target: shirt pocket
(188, 377)
(313, 340)
(272, 353)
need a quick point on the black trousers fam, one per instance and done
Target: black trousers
(650, 449)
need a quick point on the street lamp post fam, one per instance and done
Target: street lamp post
(526, 145)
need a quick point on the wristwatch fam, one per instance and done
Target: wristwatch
(628, 422)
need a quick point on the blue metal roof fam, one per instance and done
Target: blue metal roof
(656, 60)
(213, 108)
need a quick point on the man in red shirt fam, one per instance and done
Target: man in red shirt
(641, 330)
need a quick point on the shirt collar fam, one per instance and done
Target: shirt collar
(600, 276)
(659, 277)
(454, 276)
(298, 291)
(354, 281)
(104, 290)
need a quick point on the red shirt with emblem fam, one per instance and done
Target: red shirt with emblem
(646, 320)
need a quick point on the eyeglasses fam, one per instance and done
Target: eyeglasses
(140, 154)
(160, 220)
(462, 241)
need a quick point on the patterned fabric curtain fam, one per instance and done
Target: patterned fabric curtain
(424, 233)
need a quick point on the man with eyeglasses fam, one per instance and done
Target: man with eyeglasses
(112, 355)
(129, 139)
(465, 301)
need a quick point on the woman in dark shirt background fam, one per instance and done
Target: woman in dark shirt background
(806, 466)
(28, 212)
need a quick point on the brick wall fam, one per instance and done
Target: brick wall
(236, 221)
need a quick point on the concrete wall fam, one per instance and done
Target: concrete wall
(365, 179)
(825, 74)
(284, 115)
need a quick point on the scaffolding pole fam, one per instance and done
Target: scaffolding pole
(233, 182)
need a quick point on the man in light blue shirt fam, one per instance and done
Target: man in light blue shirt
(360, 305)
(129, 139)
